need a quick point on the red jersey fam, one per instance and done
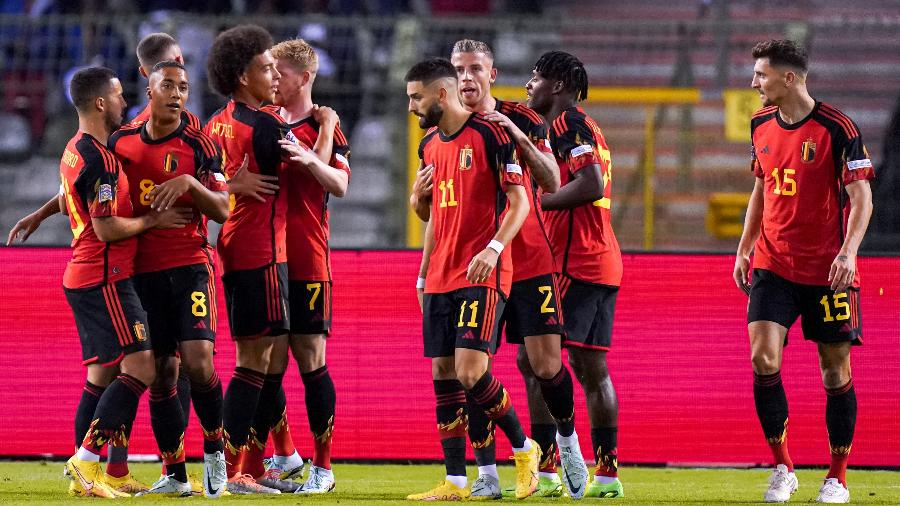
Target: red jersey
(531, 252)
(149, 162)
(472, 170)
(186, 115)
(254, 234)
(94, 187)
(583, 241)
(307, 214)
(805, 167)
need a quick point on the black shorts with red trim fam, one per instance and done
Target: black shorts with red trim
(588, 311)
(826, 317)
(532, 309)
(111, 322)
(465, 318)
(180, 304)
(257, 301)
(310, 306)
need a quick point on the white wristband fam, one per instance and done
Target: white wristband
(420, 283)
(496, 246)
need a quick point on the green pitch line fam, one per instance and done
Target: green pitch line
(41, 483)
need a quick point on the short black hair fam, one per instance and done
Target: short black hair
(88, 84)
(167, 64)
(151, 48)
(232, 52)
(783, 52)
(564, 67)
(430, 70)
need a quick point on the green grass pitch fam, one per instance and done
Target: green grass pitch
(41, 483)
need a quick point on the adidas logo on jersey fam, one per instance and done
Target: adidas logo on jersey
(200, 325)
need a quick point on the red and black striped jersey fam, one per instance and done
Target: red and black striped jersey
(254, 234)
(144, 115)
(582, 237)
(307, 214)
(94, 187)
(149, 162)
(472, 170)
(531, 252)
(805, 167)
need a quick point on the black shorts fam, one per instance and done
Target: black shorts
(588, 311)
(257, 301)
(532, 309)
(111, 322)
(464, 318)
(310, 306)
(827, 317)
(180, 304)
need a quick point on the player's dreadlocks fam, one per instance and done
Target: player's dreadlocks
(564, 67)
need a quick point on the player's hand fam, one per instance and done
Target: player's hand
(26, 226)
(424, 182)
(481, 266)
(173, 217)
(843, 270)
(501, 119)
(251, 184)
(742, 273)
(164, 195)
(325, 116)
(420, 294)
(297, 155)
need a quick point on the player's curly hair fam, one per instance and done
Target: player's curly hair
(431, 70)
(564, 67)
(231, 53)
(782, 52)
(296, 51)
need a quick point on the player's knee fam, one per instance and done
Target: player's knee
(199, 371)
(468, 376)
(764, 363)
(523, 363)
(547, 367)
(835, 376)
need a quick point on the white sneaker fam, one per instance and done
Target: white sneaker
(833, 492)
(575, 472)
(485, 488)
(291, 467)
(781, 485)
(169, 486)
(215, 479)
(319, 481)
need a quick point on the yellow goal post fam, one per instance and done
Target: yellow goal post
(650, 98)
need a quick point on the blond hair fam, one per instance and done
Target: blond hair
(472, 46)
(298, 52)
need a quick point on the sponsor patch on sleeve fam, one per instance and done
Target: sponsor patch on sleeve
(859, 164)
(581, 150)
(218, 176)
(105, 194)
(62, 189)
(513, 168)
(341, 158)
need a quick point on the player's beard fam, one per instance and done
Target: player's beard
(431, 117)
(113, 121)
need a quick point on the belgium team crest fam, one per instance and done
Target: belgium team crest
(808, 151)
(170, 165)
(465, 158)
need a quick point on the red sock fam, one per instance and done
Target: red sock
(233, 459)
(117, 469)
(281, 437)
(252, 460)
(322, 454)
(780, 454)
(838, 468)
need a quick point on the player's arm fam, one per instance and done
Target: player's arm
(328, 120)
(752, 229)
(585, 187)
(427, 248)
(483, 263)
(420, 200)
(333, 180)
(116, 228)
(27, 225)
(843, 268)
(213, 204)
(542, 163)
